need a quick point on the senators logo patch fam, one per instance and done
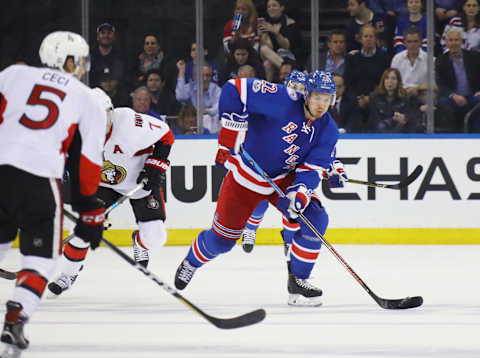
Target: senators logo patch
(113, 174)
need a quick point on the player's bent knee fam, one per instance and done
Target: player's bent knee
(153, 233)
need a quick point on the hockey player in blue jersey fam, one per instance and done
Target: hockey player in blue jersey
(297, 81)
(294, 142)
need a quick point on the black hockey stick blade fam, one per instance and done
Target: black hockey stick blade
(8, 275)
(402, 184)
(244, 320)
(399, 304)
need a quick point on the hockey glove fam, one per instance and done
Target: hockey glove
(90, 226)
(154, 171)
(336, 175)
(297, 197)
(233, 132)
(222, 155)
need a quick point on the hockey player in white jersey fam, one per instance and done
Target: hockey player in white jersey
(48, 119)
(136, 147)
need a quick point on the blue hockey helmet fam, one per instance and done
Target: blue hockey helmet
(297, 81)
(323, 82)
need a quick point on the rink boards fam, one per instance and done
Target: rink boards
(441, 206)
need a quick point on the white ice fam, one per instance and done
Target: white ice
(113, 310)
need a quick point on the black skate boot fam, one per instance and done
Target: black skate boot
(61, 284)
(12, 334)
(248, 240)
(184, 274)
(301, 292)
(140, 254)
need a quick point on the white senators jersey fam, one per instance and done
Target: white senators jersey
(41, 110)
(128, 144)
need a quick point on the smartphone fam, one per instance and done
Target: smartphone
(260, 20)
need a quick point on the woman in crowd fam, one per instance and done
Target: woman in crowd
(246, 12)
(152, 57)
(278, 37)
(390, 109)
(469, 21)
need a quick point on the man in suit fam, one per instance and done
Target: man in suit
(458, 79)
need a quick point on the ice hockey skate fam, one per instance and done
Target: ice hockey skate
(61, 284)
(302, 293)
(12, 334)
(140, 255)
(248, 240)
(184, 274)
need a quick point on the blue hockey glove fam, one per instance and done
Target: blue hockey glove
(297, 198)
(336, 175)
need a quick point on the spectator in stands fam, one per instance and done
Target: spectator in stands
(469, 22)
(117, 93)
(363, 70)
(248, 26)
(105, 58)
(186, 122)
(458, 79)
(151, 57)
(278, 38)
(242, 53)
(443, 113)
(162, 99)
(187, 93)
(412, 62)
(189, 66)
(284, 71)
(246, 71)
(445, 10)
(415, 18)
(336, 109)
(362, 15)
(390, 109)
(141, 102)
(333, 58)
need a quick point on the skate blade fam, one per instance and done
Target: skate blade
(11, 351)
(301, 301)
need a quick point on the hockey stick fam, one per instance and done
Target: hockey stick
(244, 320)
(402, 303)
(13, 275)
(8, 275)
(110, 208)
(402, 184)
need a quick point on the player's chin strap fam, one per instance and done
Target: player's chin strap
(403, 303)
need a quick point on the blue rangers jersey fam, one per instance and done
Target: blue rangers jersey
(278, 135)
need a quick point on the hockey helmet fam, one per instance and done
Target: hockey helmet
(104, 98)
(297, 81)
(323, 82)
(57, 46)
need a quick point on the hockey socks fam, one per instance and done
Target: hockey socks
(257, 216)
(73, 256)
(206, 247)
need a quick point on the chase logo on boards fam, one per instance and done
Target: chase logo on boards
(199, 181)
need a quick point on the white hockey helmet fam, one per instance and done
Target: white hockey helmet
(104, 98)
(59, 45)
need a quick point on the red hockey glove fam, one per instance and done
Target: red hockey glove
(296, 200)
(233, 132)
(222, 155)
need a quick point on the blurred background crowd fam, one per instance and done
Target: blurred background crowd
(143, 55)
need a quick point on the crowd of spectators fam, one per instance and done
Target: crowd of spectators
(378, 59)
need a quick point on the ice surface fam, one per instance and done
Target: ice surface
(115, 311)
